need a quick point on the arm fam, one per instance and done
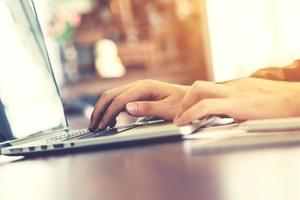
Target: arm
(289, 73)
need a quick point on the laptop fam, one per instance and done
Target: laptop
(31, 111)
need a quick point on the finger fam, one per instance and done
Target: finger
(162, 109)
(203, 108)
(201, 90)
(118, 103)
(102, 104)
(112, 123)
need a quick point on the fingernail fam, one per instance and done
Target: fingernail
(132, 107)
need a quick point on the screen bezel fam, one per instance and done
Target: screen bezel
(31, 15)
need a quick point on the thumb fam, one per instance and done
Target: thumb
(148, 108)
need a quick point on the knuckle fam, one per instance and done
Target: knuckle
(185, 105)
(143, 107)
(105, 95)
(145, 82)
(198, 85)
(139, 82)
(117, 101)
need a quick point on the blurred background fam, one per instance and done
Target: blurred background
(95, 45)
(99, 44)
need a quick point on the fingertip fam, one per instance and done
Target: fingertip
(112, 123)
(91, 125)
(179, 121)
(100, 127)
(185, 118)
(177, 116)
(94, 121)
(175, 120)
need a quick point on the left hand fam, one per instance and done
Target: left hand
(141, 98)
(243, 99)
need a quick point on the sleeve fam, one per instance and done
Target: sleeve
(288, 73)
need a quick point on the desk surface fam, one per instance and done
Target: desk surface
(161, 171)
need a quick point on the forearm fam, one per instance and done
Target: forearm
(288, 73)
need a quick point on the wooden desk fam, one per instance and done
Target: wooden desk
(155, 172)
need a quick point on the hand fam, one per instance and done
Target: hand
(142, 98)
(244, 99)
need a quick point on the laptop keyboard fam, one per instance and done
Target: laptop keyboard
(68, 135)
(85, 134)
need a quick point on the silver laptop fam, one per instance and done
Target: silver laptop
(31, 112)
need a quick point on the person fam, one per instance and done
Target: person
(268, 93)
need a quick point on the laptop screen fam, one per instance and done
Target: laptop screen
(29, 98)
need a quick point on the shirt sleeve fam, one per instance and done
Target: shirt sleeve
(288, 73)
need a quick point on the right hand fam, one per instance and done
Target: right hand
(141, 98)
(243, 99)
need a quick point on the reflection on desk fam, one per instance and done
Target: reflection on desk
(161, 171)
